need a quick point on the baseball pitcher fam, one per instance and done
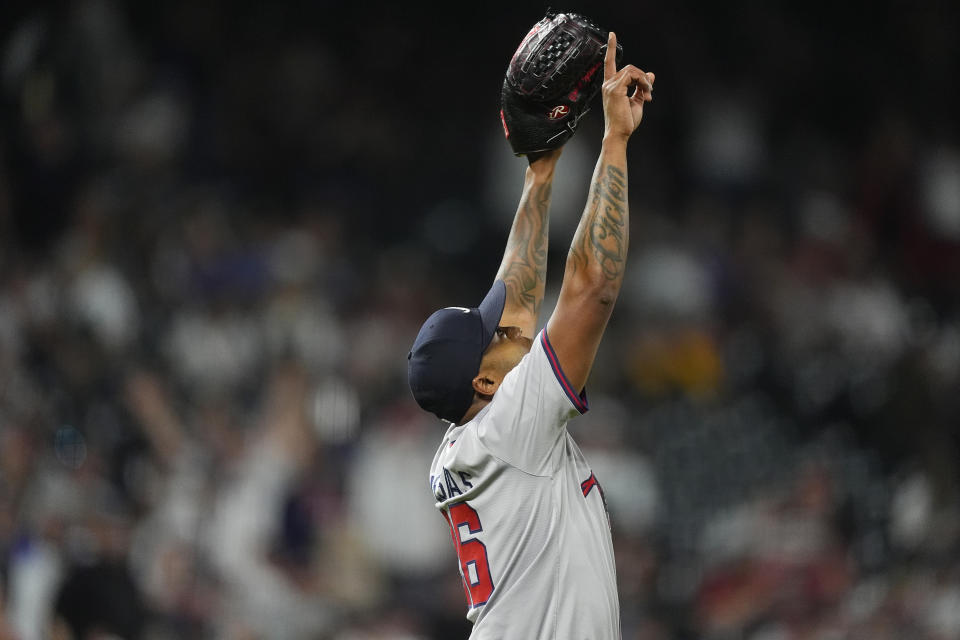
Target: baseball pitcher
(526, 513)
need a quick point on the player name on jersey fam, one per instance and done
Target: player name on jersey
(446, 486)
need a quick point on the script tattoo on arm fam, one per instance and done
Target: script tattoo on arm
(524, 272)
(603, 233)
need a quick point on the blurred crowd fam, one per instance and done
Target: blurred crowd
(221, 226)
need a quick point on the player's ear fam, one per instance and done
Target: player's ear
(485, 385)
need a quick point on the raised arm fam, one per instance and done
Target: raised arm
(524, 266)
(595, 263)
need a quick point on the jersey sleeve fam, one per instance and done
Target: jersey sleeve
(529, 412)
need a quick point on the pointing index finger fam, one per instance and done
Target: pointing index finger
(610, 60)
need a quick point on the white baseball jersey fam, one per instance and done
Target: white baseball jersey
(526, 513)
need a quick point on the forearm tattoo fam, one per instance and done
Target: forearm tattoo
(603, 232)
(526, 271)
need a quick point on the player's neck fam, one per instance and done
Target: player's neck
(479, 402)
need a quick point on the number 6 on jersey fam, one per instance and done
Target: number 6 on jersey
(464, 521)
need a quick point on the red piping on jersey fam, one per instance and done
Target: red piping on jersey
(579, 400)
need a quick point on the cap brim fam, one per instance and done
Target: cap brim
(491, 310)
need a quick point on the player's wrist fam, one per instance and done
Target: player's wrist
(613, 140)
(541, 171)
(543, 163)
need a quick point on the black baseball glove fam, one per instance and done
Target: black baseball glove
(554, 74)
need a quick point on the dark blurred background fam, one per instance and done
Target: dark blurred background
(222, 223)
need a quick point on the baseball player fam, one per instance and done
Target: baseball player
(527, 515)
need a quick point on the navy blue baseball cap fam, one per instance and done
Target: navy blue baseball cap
(446, 355)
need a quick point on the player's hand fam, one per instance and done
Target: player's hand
(624, 94)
